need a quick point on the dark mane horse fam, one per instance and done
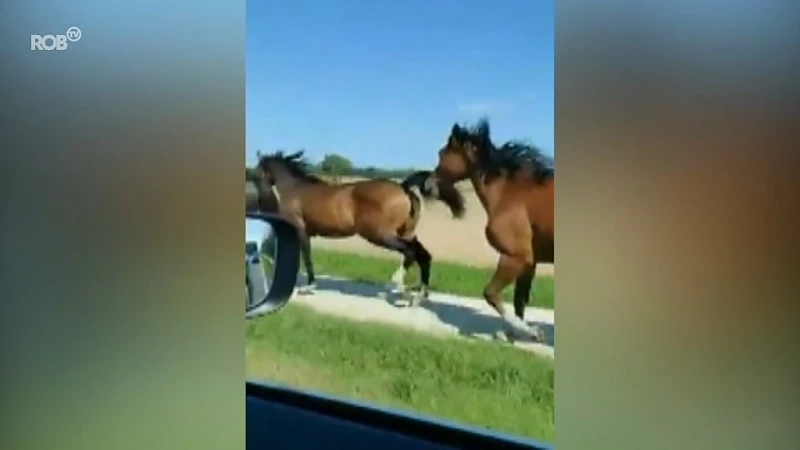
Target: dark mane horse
(511, 158)
(381, 211)
(295, 163)
(516, 186)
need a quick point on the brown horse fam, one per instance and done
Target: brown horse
(381, 211)
(516, 186)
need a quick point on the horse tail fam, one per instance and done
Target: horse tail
(417, 192)
(422, 185)
(418, 187)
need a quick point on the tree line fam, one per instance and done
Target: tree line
(336, 166)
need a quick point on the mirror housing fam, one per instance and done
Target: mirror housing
(266, 298)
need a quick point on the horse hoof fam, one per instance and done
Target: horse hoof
(395, 288)
(538, 335)
(511, 335)
(532, 334)
(529, 334)
(419, 298)
(502, 336)
(424, 294)
(307, 290)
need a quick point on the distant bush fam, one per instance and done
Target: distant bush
(335, 166)
(375, 172)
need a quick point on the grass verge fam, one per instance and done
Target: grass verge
(445, 276)
(477, 383)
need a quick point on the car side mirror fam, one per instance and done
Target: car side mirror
(272, 260)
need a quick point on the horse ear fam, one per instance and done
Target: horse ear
(456, 130)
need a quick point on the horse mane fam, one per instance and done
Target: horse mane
(294, 163)
(510, 158)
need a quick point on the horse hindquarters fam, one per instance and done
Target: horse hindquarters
(387, 217)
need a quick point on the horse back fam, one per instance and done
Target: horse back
(377, 192)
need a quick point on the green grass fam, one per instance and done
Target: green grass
(445, 276)
(483, 384)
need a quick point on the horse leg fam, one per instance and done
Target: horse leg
(305, 250)
(400, 245)
(423, 258)
(522, 291)
(522, 296)
(508, 270)
(399, 275)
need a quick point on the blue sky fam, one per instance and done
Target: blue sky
(382, 82)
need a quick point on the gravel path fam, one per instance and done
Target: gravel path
(443, 314)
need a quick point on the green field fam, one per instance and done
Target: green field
(445, 277)
(486, 384)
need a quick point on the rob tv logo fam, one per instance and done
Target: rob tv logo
(50, 42)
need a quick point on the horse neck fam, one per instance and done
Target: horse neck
(487, 191)
(286, 182)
